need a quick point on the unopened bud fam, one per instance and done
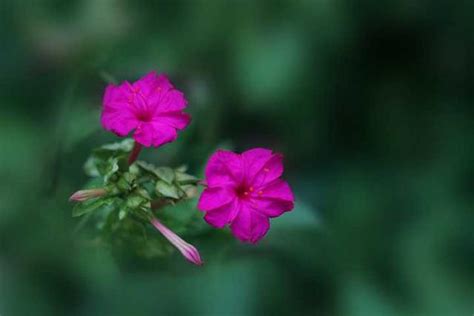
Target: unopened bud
(84, 195)
(187, 250)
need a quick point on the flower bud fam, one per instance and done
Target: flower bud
(187, 250)
(84, 195)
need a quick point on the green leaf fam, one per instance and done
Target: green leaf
(125, 145)
(182, 168)
(108, 159)
(126, 182)
(145, 166)
(167, 190)
(134, 201)
(90, 206)
(189, 190)
(165, 173)
(184, 178)
(134, 169)
(110, 169)
(98, 166)
(116, 150)
(122, 213)
(143, 193)
(90, 167)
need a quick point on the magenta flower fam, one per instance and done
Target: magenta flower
(151, 107)
(245, 190)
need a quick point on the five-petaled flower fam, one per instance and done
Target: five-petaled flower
(245, 190)
(151, 106)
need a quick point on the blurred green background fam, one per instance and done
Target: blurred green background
(370, 101)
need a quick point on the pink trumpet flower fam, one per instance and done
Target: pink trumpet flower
(187, 250)
(151, 107)
(245, 191)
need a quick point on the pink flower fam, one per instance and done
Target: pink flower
(151, 107)
(245, 191)
(187, 250)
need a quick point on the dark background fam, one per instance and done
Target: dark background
(370, 101)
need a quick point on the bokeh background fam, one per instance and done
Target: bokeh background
(370, 101)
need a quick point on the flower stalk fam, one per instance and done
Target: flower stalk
(137, 147)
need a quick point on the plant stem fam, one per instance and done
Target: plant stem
(135, 152)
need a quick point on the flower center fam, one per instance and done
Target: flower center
(144, 116)
(143, 113)
(243, 191)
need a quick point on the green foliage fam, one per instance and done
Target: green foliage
(91, 205)
(135, 194)
(167, 190)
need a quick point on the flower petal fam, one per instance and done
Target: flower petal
(221, 216)
(274, 208)
(110, 94)
(177, 120)
(168, 101)
(120, 124)
(118, 114)
(152, 83)
(212, 198)
(274, 199)
(254, 160)
(271, 170)
(117, 94)
(154, 134)
(278, 189)
(224, 168)
(249, 225)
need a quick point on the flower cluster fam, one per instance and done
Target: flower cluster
(240, 190)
